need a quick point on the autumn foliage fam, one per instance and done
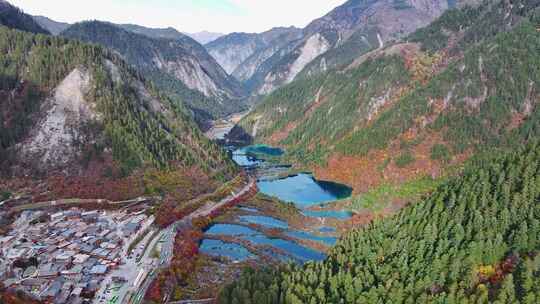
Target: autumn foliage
(186, 245)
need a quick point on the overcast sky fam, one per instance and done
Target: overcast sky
(222, 16)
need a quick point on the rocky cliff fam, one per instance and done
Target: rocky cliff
(239, 53)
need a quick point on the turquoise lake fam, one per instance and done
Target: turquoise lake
(304, 190)
(296, 251)
(232, 251)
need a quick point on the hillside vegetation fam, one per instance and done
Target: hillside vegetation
(474, 240)
(179, 67)
(130, 119)
(467, 82)
(13, 17)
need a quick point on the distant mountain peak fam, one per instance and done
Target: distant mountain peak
(204, 37)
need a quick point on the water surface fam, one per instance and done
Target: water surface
(337, 214)
(218, 248)
(299, 252)
(304, 190)
(266, 221)
(327, 229)
(327, 240)
(230, 229)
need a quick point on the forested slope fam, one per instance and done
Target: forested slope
(13, 17)
(469, 81)
(65, 104)
(474, 240)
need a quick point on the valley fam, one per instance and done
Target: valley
(220, 128)
(383, 151)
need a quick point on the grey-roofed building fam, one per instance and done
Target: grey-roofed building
(74, 271)
(46, 271)
(62, 297)
(130, 228)
(53, 290)
(10, 282)
(34, 282)
(29, 271)
(64, 256)
(47, 274)
(76, 291)
(99, 269)
(87, 248)
(90, 214)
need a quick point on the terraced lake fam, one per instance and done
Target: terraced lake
(301, 189)
(292, 249)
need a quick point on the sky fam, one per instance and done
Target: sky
(222, 16)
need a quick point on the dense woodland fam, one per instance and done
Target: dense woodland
(474, 240)
(33, 65)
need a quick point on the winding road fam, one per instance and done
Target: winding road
(170, 234)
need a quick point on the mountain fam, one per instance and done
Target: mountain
(54, 27)
(177, 64)
(467, 82)
(474, 240)
(356, 27)
(13, 17)
(76, 108)
(204, 37)
(171, 33)
(240, 53)
(166, 33)
(333, 40)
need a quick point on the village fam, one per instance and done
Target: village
(77, 256)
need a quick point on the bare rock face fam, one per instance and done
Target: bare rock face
(192, 74)
(314, 46)
(311, 49)
(249, 66)
(241, 53)
(232, 50)
(52, 142)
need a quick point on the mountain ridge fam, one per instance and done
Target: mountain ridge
(181, 66)
(13, 17)
(204, 37)
(234, 49)
(362, 25)
(54, 27)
